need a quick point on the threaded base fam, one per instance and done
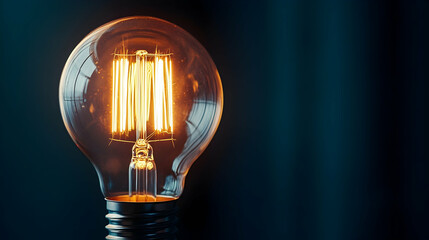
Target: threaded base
(137, 220)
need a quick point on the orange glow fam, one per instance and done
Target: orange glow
(141, 165)
(140, 198)
(141, 92)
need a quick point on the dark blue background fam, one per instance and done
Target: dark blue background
(324, 131)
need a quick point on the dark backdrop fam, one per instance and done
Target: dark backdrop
(324, 132)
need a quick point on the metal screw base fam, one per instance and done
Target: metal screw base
(137, 220)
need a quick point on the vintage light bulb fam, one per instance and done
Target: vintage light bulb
(142, 99)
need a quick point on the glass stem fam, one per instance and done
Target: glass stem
(142, 173)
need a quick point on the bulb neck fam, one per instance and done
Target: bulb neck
(141, 220)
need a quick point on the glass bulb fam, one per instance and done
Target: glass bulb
(142, 99)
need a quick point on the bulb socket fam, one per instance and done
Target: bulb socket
(141, 220)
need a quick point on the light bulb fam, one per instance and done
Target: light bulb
(142, 99)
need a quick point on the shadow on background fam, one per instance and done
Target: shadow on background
(324, 132)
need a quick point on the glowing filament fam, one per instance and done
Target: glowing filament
(170, 95)
(159, 91)
(141, 92)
